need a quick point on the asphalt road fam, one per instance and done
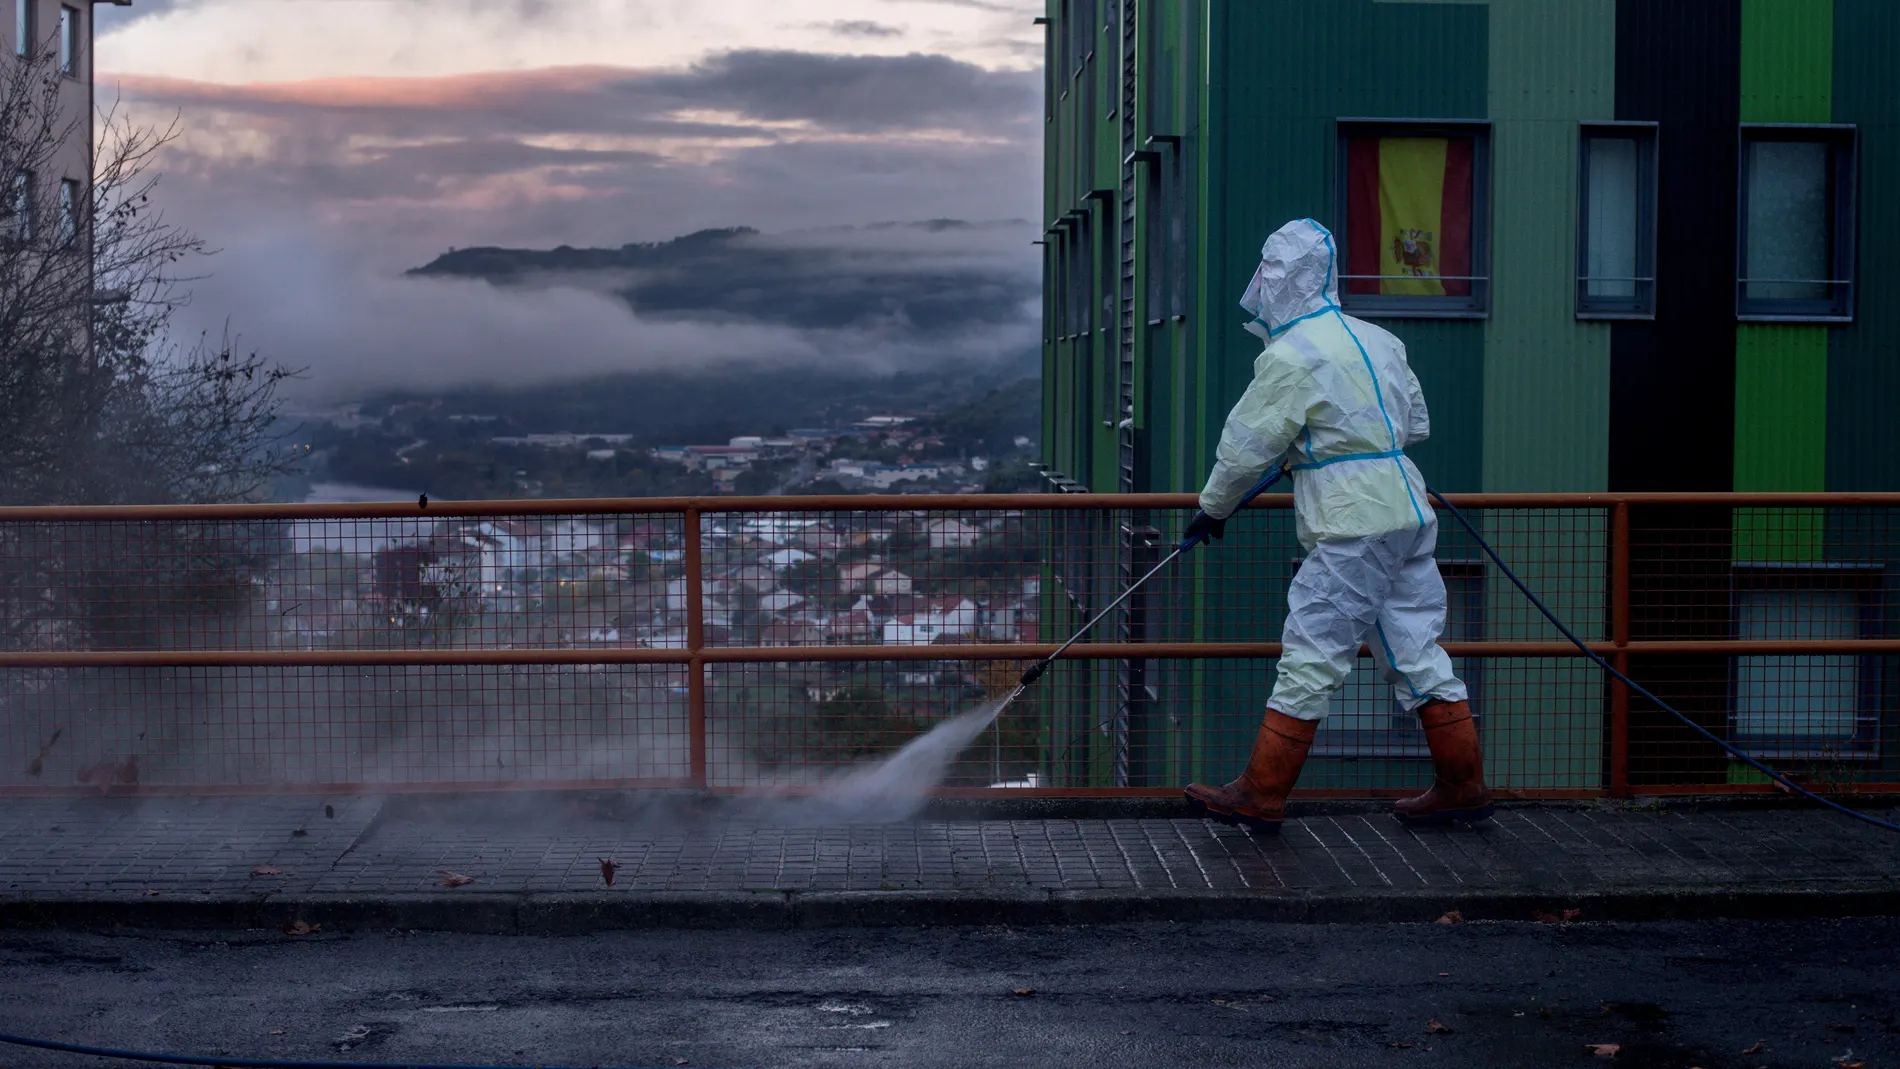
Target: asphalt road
(1811, 993)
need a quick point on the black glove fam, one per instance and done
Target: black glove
(1203, 527)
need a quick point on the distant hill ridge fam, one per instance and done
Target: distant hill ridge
(858, 278)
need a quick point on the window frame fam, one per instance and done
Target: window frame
(1843, 142)
(1477, 305)
(1648, 136)
(23, 207)
(1866, 579)
(69, 58)
(70, 197)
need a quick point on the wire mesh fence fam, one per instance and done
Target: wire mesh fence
(766, 643)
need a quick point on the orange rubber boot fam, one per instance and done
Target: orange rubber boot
(1258, 797)
(1458, 791)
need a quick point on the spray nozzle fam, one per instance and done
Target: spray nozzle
(1034, 673)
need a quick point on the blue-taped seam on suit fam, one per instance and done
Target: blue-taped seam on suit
(1334, 398)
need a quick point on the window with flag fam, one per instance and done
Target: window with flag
(1809, 706)
(1796, 233)
(1616, 221)
(1414, 198)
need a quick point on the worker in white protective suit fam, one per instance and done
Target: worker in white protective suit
(1334, 401)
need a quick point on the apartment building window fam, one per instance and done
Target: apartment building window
(1107, 286)
(1796, 232)
(1367, 719)
(69, 40)
(1414, 198)
(1080, 276)
(21, 206)
(1820, 706)
(68, 212)
(1616, 221)
(23, 27)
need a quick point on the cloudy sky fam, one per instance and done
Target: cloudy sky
(327, 145)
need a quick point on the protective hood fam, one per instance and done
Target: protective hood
(1297, 277)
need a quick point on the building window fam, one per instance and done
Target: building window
(1818, 706)
(68, 212)
(1048, 71)
(21, 206)
(1367, 719)
(1107, 286)
(68, 40)
(1414, 199)
(1616, 221)
(23, 28)
(1080, 273)
(1796, 240)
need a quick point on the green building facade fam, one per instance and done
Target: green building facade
(1646, 249)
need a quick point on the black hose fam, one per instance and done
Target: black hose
(1640, 689)
(242, 1063)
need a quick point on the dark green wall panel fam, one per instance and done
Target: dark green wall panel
(1347, 58)
(1863, 437)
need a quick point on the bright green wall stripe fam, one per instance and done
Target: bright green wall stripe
(1785, 395)
(1546, 374)
(1787, 60)
(1781, 369)
(1781, 388)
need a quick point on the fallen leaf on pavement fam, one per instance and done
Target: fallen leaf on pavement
(1433, 1028)
(608, 867)
(276, 1031)
(151, 893)
(1452, 917)
(301, 928)
(1839, 1027)
(1542, 917)
(1604, 1050)
(1844, 1063)
(1572, 915)
(267, 870)
(1444, 974)
(38, 764)
(1024, 992)
(108, 774)
(679, 1061)
(1402, 1045)
(1756, 1049)
(454, 879)
(330, 811)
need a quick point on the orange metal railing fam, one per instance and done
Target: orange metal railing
(740, 644)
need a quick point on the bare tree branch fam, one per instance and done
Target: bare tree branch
(99, 403)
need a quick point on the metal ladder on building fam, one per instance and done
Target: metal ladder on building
(1131, 682)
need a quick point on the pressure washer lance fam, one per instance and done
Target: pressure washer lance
(1036, 670)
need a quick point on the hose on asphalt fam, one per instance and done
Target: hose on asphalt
(247, 1063)
(1642, 691)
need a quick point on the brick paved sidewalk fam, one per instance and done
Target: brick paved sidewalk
(535, 864)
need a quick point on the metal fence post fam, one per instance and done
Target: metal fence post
(696, 646)
(1620, 636)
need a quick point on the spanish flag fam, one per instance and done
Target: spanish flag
(1408, 215)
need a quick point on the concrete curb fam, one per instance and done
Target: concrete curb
(576, 913)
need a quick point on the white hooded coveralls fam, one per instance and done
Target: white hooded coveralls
(1333, 398)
